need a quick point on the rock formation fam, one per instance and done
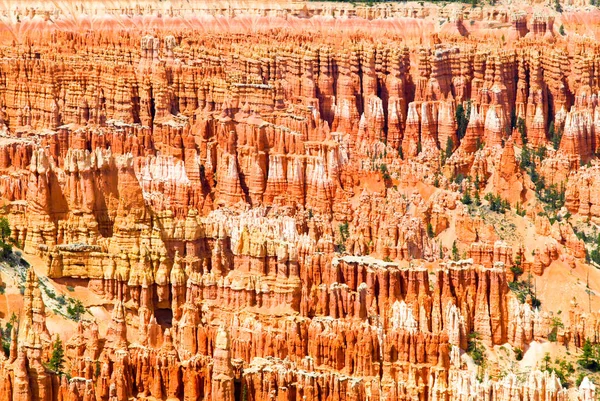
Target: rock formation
(295, 201)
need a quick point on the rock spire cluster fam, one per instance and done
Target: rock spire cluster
(298, 201)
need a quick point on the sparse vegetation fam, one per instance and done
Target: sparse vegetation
(477, 352)
(384, 172)
(552, 196)
(497, 204)
(561, 368)
(516, 269)
(522, 290)
(75, 309)
(590, 356)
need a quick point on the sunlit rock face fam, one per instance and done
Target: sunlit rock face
(297, 201)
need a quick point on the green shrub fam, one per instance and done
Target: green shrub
(590, 357)
(580, 378)
(522, 290)
(75, 310)
(466, 198)
(497, 204)
(384, 172)
(518, 354)
(475, 349)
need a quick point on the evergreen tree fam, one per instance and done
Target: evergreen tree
(57, 359)
(466, 198)
(455, 256)
(462, 119)
(589, 357)
(558, 6)
(430, 232)
(521, 129)
(4, 229)
(546, 360)
(555, 136)
(449, 148)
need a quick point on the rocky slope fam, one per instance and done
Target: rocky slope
(299, 201)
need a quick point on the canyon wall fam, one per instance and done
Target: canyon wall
(293, 201)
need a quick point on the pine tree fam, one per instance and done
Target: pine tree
(455, 251)
(466, 198)
(449, 148)
(4, 228)
(57, 359)
(558, 6)
(521, 130)
(462, 119)
(430, 232)
(546, 359)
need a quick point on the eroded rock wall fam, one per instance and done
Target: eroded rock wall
(287, 194)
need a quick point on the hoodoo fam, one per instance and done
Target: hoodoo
(299, 200)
